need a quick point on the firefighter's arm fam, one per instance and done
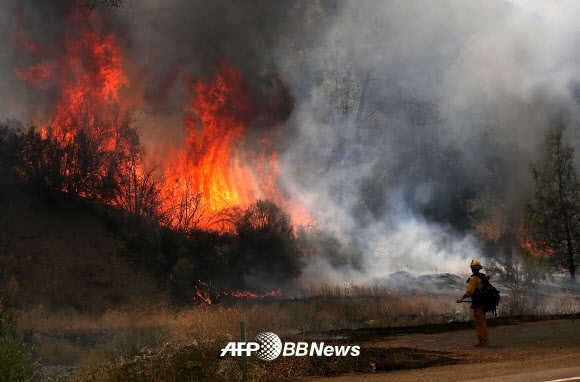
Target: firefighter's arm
(471, 287)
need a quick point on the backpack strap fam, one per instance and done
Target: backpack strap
(483, 277)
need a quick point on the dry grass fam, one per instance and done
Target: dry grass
(119, 341)
(322, 309)
(162, 343)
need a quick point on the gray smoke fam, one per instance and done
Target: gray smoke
(476, 83)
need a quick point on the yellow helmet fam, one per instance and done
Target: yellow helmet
(475, 264)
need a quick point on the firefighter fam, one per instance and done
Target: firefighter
(475, 288)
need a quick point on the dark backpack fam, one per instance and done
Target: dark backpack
(489, 297)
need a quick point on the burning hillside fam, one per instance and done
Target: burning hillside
(216, 168)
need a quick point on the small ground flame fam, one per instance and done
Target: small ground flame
(210, 294)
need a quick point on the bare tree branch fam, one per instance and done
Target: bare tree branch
(91, 5)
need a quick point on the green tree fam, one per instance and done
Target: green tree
(552, 218)
(17, 359)
(519, 272)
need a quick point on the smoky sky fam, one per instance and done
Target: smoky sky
(402, 110)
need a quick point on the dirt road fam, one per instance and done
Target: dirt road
(525, 349)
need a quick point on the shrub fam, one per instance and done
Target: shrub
(269, 249)
(17, 360)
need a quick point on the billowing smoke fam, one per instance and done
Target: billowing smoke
(458, 96)
(405, 115)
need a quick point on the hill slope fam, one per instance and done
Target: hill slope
(57, 252)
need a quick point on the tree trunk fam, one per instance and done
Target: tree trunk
(567, 227)
(361, 102)
(571, 266)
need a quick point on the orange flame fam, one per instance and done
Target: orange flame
(88, 75)
(536, 249)
(91, 75)
(214, 159)
(217, 169)
(36, 74)
(203, 297)
(205, 291)
(243, 294)
(223, 107)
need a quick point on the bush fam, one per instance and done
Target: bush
(269, 251)
(520, 272)
(17, 360)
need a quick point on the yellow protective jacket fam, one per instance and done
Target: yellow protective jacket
(474, 288)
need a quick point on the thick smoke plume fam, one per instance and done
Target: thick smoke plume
(459, 95)
(405, 113)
